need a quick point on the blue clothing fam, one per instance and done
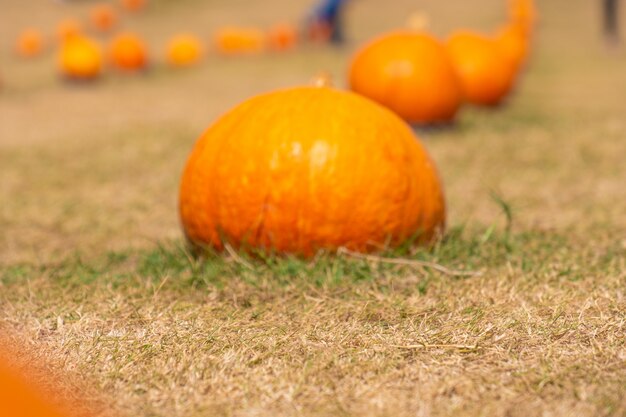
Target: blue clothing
(329, 10)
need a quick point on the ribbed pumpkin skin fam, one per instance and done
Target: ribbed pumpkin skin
(309, 168)
(487, 75)
(410, 73)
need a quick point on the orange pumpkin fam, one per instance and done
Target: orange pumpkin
(29, 44)
(103, 18)
(236, 41)
(487, 75)
(319, 32)
(127, 52)
(184, 50)
(282, 37)
(133, 6)
(18, 397)
(411, 73)
(310, 168)
(513, 43)
(68, 28)
(80, 59)
(523, 13)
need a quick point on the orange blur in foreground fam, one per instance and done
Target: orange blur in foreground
(20, 398)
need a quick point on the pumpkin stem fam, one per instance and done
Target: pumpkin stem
(323, 79)
(419, 21)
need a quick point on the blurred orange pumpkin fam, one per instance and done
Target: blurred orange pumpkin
(310, 168)
(20, 398)
(67, 29)
(513, 43)
(184, 50)
(523, 13)
(103, 18)
(487, 75)
(134, 5)
(80, 59)
(282, 37)
(409, 72)
(235, 41)
(319, 31)
(29, 44)
(128, 52)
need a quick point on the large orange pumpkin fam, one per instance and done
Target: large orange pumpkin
(487, 75)
(67, 29)
(127, 52)
(103, 18)
(184, 50)
(134, 6)
(411, 73)
(282, 37)
(29, 44)
(80, 59)
(237, 41)
(310, 168)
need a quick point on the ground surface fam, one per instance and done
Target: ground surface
(93, 279)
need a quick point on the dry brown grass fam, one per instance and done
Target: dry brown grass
(88, 191)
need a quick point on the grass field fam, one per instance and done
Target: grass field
(519, 311)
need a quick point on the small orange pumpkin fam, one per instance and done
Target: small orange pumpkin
(184, 50)
(80, 59)
(523, 13)
(128, 52)
(29, 44)
(133, 6)
(319, 32)
(103, 18)
(237, 41)
(310, 168)
(282, 37)
(409, 72)
(67, 29)
(487, 75)
(514, 43)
